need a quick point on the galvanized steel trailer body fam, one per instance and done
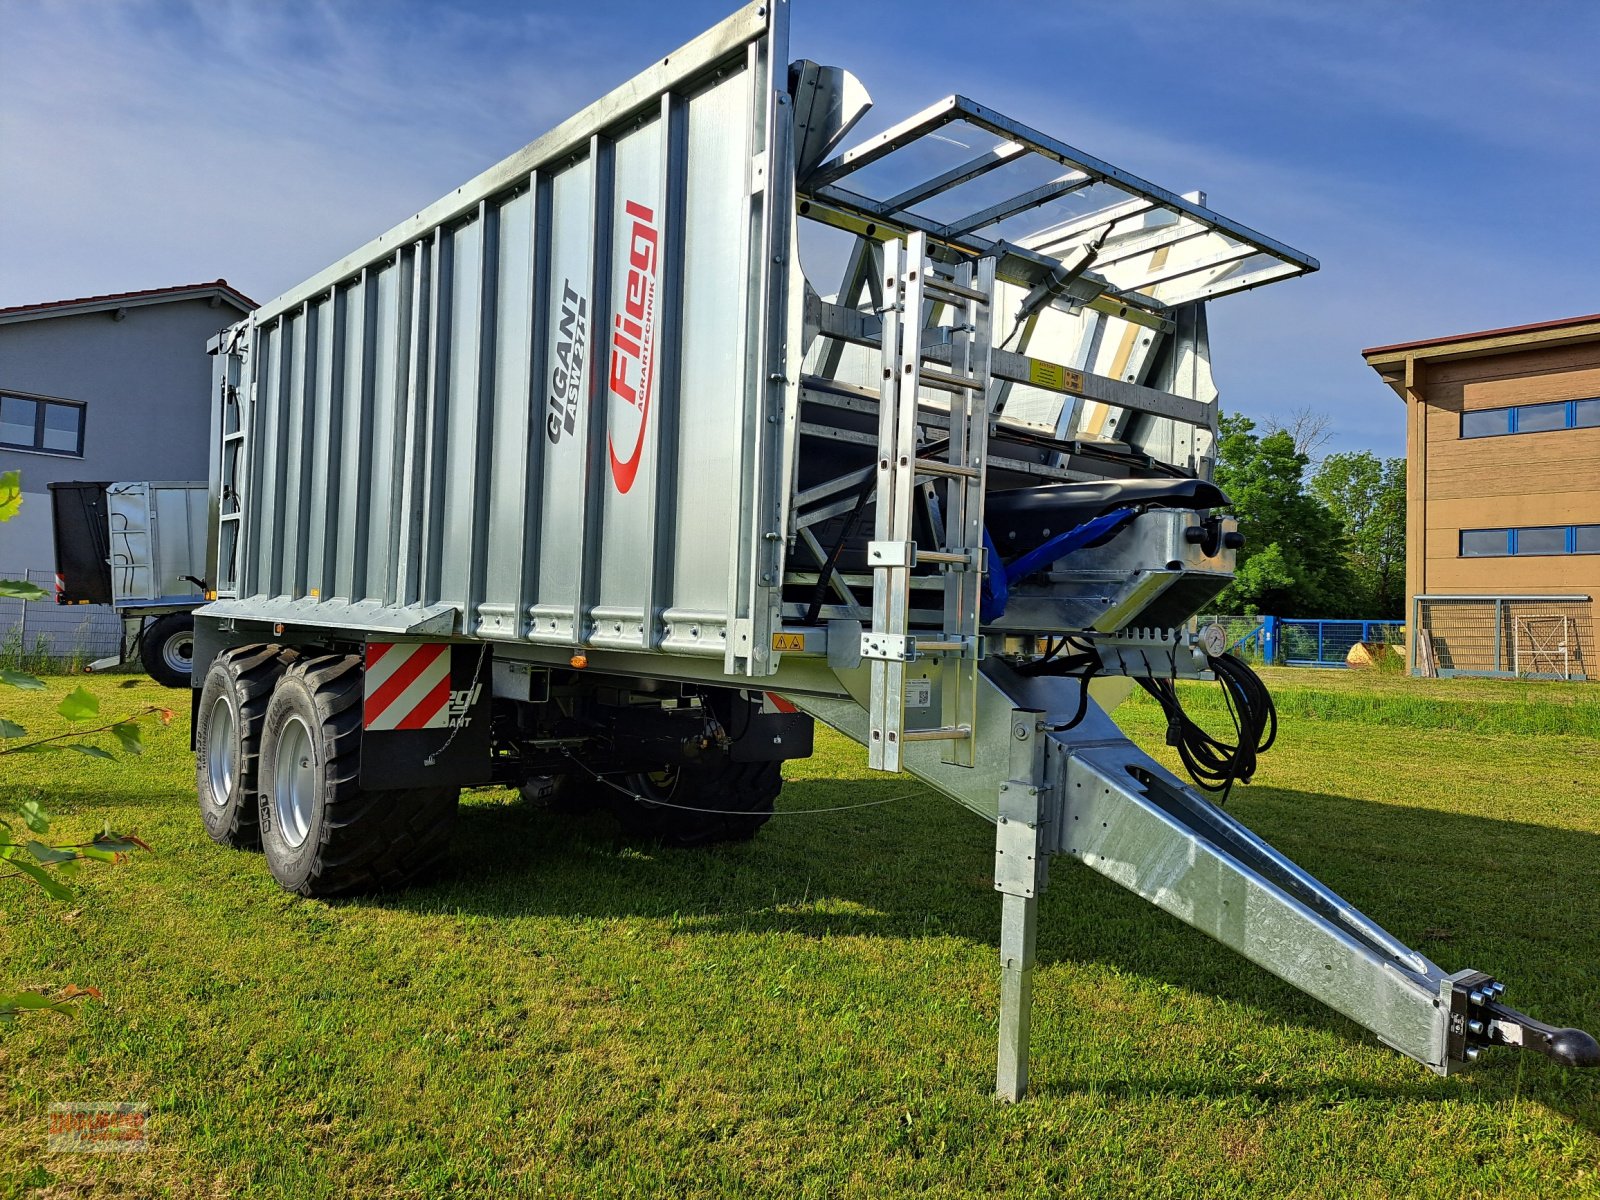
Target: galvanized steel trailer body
(586, 411)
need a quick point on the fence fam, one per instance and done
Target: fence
(1536, 637)
(1297, 642)
(42, 632)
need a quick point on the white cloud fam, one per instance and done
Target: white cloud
(1431, 157)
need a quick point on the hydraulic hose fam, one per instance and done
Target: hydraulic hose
(1212, 763)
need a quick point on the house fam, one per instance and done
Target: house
(1503, 497)
(102, 388)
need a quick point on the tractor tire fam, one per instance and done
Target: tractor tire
(738, 799)
(166, 648)
(227, 740)
(323, 835)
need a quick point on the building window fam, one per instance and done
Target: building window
(41, 424)
(1530, 540)
(1531, 418)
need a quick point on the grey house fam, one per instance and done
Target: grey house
(103, 388)
(108, 387)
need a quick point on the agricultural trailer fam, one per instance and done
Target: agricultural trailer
(576, 481)
(139, 547)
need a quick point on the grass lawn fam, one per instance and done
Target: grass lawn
(813, 1014)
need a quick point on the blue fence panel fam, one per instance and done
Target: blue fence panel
(1296, 642)
(1305, 643)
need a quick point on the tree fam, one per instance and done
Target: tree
(1368, 495)
(1308, 428)
(1293, 560)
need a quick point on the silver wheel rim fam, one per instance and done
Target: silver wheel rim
(294, 781)
(220, 751)
(178, 652)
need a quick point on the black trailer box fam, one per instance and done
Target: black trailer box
(83, 542)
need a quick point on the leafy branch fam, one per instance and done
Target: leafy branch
(126, 730)
(64, 1002)
(29, 858)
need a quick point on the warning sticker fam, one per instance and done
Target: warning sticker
(1054, 376)
(795, 642)
(919, 693)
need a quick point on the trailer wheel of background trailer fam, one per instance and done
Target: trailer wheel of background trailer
(166, 647)
(323, 834)
(227, 739)
(740, 795)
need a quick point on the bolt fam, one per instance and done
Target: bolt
(1475, 1027)
(1019, 731)
(1498, 988)
(1472, 1052)
(1479, 998)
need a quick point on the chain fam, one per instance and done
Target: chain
(477, 675)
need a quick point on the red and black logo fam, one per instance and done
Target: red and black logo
(633, 349)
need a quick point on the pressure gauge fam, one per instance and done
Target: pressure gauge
(1214, 639)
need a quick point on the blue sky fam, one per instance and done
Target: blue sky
(1439, 158)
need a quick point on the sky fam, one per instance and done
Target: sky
(1439, 158)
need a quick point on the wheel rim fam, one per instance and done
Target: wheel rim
(658, 786)
(178, 652)
(220, 749)
(294, 779)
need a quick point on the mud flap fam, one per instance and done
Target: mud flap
(425, 716)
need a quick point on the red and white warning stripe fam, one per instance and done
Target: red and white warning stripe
(408, 686)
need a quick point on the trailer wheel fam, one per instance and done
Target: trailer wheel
(322, 833)
(738, 798)
(227, 740)
(166, 647)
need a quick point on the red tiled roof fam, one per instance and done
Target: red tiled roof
(217, 285)
(1536, 327)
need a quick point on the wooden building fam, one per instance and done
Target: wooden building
(1503, 497)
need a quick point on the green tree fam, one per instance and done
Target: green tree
(1368, 494)
(1293, 563)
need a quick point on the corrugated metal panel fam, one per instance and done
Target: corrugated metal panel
(540, 410)
(157, 537)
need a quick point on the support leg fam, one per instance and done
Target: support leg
(1019, 876)
(1019, 920)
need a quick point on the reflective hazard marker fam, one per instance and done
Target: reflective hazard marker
(408, 686)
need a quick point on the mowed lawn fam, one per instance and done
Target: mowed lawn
(813, 1014)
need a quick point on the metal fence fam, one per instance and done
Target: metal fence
(40, 632)
(1304, 643)
(1297, 642)
(1534, 637)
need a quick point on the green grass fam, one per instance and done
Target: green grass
(1469, 705)
(813, 1014)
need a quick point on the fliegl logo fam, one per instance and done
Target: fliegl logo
(459, 708)
(633, 349)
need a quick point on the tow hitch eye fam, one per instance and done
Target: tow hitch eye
(1479, 1019)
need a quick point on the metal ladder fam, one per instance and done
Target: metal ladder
(911, 283)
(233, 462)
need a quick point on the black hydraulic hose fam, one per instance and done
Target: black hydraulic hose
(1213, 764)
(1082, 666)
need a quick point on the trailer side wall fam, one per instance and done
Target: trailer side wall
(549, 408)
